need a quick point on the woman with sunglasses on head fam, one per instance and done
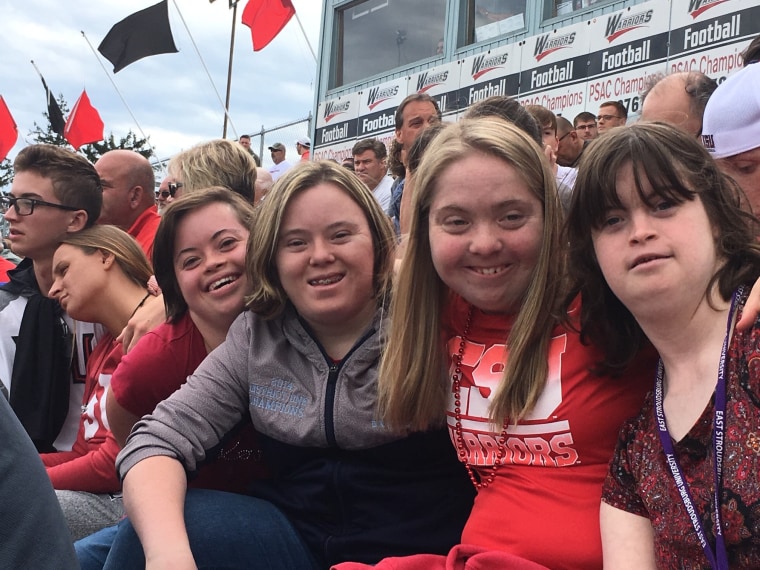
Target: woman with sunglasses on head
(302, 362)
(662, 251)
(99, 276)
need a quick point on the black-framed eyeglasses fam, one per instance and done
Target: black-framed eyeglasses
(25, 206)
(173, 186)
(606, 117)
(559, 140)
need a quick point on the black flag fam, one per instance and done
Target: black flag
(54, 111)
(140, 35)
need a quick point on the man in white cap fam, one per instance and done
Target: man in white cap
(277, 151)
(731, 130)
(303, 148)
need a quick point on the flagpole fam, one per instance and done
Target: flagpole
(52, 105)
(303, 31)
(233, 5)
(203, 63)
(131, 114)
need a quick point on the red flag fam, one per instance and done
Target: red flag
(8, 130)
(266, 18)
(84, 124)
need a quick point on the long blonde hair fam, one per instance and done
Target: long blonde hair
(412, 385)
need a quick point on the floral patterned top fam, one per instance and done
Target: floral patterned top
(640, 482)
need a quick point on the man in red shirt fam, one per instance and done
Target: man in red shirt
(129, 199)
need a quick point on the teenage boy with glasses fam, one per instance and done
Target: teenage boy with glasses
(585, 125)
(54, 192)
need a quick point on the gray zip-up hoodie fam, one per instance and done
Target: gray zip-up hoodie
(346, 483)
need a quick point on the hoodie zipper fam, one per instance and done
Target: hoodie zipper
(332, 382)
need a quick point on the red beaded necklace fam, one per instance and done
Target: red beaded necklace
(501, 444)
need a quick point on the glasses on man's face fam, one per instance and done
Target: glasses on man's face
(606, 117)
(585, 127)
(25, 206)
(171, 191)
(559, 140)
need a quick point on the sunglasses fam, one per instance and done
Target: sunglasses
(173, 186)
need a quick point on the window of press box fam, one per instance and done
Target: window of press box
(559, 8)
(486, 19)
(375, 36)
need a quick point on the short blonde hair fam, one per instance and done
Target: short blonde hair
(217, 162)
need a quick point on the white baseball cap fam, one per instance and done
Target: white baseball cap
(731, 123)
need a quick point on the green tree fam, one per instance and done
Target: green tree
(131, 142)
(44, 134)
(5, 173)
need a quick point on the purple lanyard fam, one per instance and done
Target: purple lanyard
(718, 559)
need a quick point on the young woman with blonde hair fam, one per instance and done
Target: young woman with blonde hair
(100, 276)
(477, 342)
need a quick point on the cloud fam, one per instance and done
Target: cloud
(170, 95)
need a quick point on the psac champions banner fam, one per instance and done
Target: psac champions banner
(567, 70)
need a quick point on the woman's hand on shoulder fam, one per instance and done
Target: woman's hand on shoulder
(147, 317)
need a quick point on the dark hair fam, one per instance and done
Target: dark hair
(397, 168)
(752, 53)
(420, 144)
(678, 169)
(699, 87)
(374, 145)
(544, 117)
(424, 97)
(618, 106)
(75, 181)
(584, 116)
(166, 236)
(564, 126)
(511, 111)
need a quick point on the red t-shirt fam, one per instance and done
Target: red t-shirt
(91, 464)
(5, 267)
(144, 230)
(544, 502)
(154, 369)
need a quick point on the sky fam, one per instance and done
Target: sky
(170, 95)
